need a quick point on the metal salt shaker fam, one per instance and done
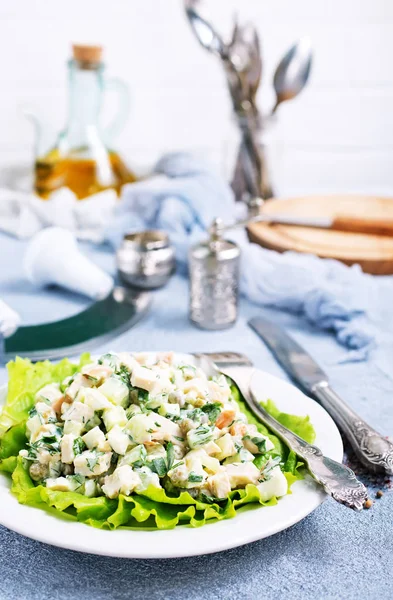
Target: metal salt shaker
(146, 259)
(214, 281)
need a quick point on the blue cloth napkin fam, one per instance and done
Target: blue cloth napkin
(185, 195)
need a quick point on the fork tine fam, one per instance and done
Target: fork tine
(229, 358)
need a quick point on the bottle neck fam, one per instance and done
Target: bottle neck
(85, 92)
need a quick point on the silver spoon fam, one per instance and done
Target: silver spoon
(292, 72)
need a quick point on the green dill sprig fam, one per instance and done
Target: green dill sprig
(212, 410)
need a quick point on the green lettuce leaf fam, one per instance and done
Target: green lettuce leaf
(302, 426)
(152, 509)
(25, 379)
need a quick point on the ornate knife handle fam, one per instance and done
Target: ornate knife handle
(373, 450)
(338, 480)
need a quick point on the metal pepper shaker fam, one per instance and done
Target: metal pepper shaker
(214, 281)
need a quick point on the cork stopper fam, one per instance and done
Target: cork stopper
(87, 55)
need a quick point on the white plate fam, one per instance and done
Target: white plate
(246, 527)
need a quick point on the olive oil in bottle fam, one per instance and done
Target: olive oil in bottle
(80, 159)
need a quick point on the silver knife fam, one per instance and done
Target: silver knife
(353, 224)
(373, 450)
(99, 323)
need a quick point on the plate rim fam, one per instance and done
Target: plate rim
(88, 543)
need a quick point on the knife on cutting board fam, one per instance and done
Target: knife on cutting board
(346, 223)
(100, 322)
(373, 450)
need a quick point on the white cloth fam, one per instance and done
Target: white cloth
(183, 197)
(22, 214)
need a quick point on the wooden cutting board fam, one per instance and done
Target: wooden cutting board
(373, 253)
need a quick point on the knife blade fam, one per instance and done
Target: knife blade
(373, 450)
(291, 356)
(100, 322)
(349, 223)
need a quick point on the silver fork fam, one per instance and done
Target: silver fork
(337, 479)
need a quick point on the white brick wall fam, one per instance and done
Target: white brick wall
(337, 136)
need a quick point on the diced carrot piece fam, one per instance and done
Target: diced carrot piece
(225, 418)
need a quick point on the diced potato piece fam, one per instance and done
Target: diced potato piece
(110, 359)
(199, 436)
(186, 372)
(90, 488)
(143, 358)
(97, 373)
(179, 475)
(33, 425)
(122, 481)
(93, 422)
(169, 409)
(166, 357)
(46, 412)
(74, 427)
(257, 443)
(164, 429)
(240, 474)
(79, 412)
(47, 430)
(219, 391)
(49, 393)
(199, 456)
(136, 456)
(67, 449)
(211, 448)
(78, 382)
(44, 457)
(93, 398)
(114, 416)
(276, 485)
(226, 445)
(212, 465)
(153, 427)
(95, 438)
(118, 439)
(115, 390)
(155, 450)
(133, 410)
(197, 385)
(91, 464)
(163, 385)
(140, 428)
(128, 360)
(219, 485)
(148, 478)
(144, 378)
(60, 484)
(188, 475)
(242, 455)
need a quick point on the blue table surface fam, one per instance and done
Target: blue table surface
(333, 553)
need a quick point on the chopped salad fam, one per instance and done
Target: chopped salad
(127, 433)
